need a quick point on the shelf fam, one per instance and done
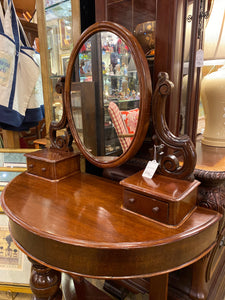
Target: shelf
(115, 75)
(121, 101)
(56, 76)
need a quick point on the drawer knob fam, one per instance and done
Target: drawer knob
(43, 169)
(31, 166)
(155, 209)
(131, 200)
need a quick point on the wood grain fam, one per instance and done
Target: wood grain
(81, 217)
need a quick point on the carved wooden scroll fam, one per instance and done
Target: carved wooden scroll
(62, 142)
(178, 158)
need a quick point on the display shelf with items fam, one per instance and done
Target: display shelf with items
(59, 28)
(169, 33)
(114, 70)
(58, 16)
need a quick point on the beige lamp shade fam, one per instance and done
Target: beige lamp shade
(213, 84)
(215, 32)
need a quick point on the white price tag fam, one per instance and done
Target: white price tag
(199, 58)
(150, 169)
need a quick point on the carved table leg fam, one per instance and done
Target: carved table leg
(45, 282)
(158, 289)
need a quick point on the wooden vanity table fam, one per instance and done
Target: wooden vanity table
(77, 225)
(88, 226)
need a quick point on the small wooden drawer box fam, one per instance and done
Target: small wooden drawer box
(52, 164)
(164, 199)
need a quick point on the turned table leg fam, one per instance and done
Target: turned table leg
(158, 289)
(45, 282)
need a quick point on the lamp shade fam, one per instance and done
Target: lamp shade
(215, 32)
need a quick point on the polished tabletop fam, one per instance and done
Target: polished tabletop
(78, 225)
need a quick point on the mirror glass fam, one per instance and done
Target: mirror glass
(105, 95)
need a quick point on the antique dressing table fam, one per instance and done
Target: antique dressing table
(70, 221)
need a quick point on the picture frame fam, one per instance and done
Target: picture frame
(65, 34)
(64, 58)
(13, 160)
(12, 163)
(14, 266)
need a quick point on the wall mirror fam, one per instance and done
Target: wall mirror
(107, 94)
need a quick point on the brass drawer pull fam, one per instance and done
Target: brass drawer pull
(31, 166)
(43, 169)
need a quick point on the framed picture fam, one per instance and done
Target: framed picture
(65, 33)
(12, 163)
(14, 158)
(64, 63)
(14, 265)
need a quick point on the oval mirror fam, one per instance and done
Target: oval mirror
(107, 94)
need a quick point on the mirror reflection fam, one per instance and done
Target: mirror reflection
(105, 95)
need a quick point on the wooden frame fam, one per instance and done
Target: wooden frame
(145, 92)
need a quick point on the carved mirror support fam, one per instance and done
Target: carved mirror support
(61, 142)
(176, 155)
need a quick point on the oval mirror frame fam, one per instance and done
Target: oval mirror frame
(145, 93)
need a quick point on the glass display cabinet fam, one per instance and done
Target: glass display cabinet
(59, 27)
(170, 32)
(58, 16)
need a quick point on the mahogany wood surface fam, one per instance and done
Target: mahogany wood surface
(52, 164)
(160, 198)
(77, 225)
(160, 186)
(180, 146)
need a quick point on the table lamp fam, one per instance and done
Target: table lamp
(213, 83)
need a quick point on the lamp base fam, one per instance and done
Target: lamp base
(209, 141)
(213, 100)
